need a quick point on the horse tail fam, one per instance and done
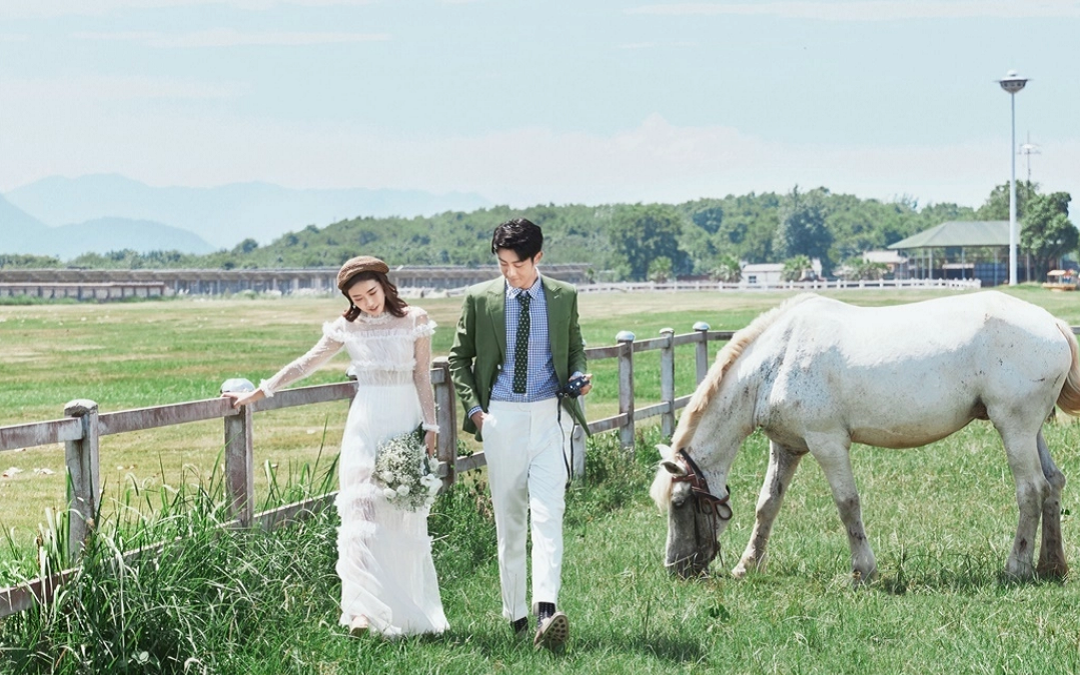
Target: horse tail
(1069, 398)
(699, 402)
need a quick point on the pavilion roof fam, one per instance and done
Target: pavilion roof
(959, 233)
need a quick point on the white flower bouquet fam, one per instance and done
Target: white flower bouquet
(403, 471)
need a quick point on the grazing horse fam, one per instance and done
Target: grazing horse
(817, 375)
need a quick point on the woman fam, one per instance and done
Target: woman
(388, 582)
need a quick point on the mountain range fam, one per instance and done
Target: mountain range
(126, 213)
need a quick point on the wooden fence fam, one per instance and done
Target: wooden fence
(83, 426)
(785, 286)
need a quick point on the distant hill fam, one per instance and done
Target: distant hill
(225, 215)
(103, 235)
(16, 226)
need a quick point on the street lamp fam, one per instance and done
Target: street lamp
(1012, 83)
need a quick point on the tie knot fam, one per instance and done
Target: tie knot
(524, 298)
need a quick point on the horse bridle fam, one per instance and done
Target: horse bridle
(705, 502)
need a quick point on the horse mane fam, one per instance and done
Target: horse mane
(726, 357)
(1069, 398)
(660, 490)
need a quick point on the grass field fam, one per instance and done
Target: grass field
(941, 520)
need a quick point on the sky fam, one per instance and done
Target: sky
(553, 101)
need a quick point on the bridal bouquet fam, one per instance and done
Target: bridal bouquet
(402, 469)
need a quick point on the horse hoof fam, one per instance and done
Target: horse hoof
(1052, 571)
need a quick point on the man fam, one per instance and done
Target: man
(517, 346)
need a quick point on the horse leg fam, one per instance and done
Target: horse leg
(1052, 551)
(1032, 492)
(782, 464)
(835, 459)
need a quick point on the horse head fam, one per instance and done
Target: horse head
(696, 517)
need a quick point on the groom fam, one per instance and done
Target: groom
(517, 345)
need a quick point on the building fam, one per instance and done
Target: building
(975, 249)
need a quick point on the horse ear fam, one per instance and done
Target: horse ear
(674, 468)
(665, 451)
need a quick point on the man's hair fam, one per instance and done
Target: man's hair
(520, 235)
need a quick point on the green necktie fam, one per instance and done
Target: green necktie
(521, 345)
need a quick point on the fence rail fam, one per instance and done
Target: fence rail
(840, 284)
(83, 426)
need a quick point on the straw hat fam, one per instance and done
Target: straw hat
(354, 266)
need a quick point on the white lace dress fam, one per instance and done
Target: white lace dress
(384, 552)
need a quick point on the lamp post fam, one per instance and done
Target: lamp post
(1012, 83)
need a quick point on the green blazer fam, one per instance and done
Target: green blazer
(480, 343)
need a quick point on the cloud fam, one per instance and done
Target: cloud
(658, 45)
(227, 37)
(17, 9)
(654, 161)
(874, 10)
(78, 92)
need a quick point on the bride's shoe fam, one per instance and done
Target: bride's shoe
(359, 626)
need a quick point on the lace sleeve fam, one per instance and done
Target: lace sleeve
(322, 352)
(422, 372)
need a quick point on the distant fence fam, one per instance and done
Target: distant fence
(101, 285)
(678, 286)
(803, 286)
(83, 426)
(97, 284)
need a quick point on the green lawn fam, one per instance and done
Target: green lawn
(940, 518)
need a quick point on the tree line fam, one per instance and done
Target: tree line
(706, 237)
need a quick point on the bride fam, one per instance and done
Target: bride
(388, 582)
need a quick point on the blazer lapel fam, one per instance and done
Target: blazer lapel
(556, 319)
(497, 311)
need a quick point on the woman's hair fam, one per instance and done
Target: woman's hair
(394, 304)
(519, 235)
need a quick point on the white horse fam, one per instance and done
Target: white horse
(817, 375)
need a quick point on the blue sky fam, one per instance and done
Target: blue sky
(535, 102)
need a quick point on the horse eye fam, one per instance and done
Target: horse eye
(678, 501)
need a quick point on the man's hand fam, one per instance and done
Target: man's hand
(478, 418)
(587, 387)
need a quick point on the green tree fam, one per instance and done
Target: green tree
(660, 269)
(245, 247)
(860, 269)
(996, 206)
(728, 270)
(25, 261)
(1047, 234)
(802, 229)
(797, 268)
(642, 233)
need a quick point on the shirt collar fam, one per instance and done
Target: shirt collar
(533, 291)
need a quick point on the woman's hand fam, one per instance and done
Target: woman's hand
(429, 443)
(240, 398)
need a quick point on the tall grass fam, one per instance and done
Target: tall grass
(228, 601)
(940, 518)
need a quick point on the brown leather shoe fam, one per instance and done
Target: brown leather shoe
(553, 631)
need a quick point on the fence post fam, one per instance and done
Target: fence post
(81, 457)
(446, 418)
(240, 457)
(702, 329)
(626, 388)
(667, 382)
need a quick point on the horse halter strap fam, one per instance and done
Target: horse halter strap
(704, 500)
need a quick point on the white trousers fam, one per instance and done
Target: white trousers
(523, 444)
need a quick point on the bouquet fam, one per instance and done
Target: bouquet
(402, 469)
